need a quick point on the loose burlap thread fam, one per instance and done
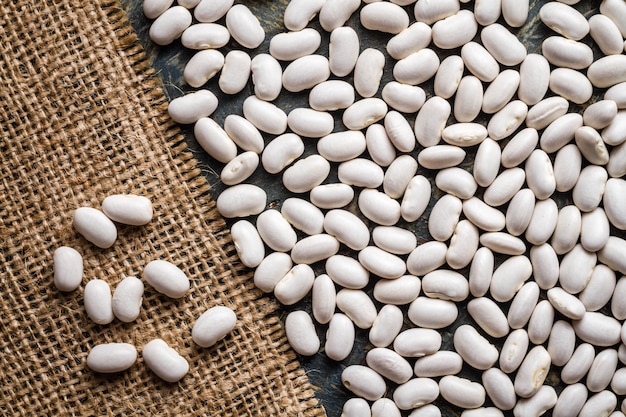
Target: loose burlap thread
(82, 116)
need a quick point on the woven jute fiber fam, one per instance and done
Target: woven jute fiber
(82, 117)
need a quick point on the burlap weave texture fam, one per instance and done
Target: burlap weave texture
(82, 117)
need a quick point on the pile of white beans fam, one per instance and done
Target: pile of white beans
(102, 307)
(538, 279)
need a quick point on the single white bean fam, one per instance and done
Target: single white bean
(357, 305)
(331, 196)
(95, 226)
(248, 243)
(427, 257)
(164, 361)
(244, 26)
(211, 10)
(479, 61)
(602, 370)
(462, 392)
(536, 405)
(561, 342)
(515, 12)
(430, 11)
(571, 84)
(566, 303)
(288, 46)
(266, 116)
(298, 13)
(356, 407)
(415, 393)
(504, 187)
(499, 388)
(455, 30)
(154, 8)
(567, 167)
(323, 299)
(488, 316)
(597, 329)
(568, 53)
(301, 333)
(399, 131)
(440, 363)
(449, 76)
(368, 72)
(271, 269)
(347, 228)
(243, 133)
(417, 67)
(127, 297)
(545, 265)
(191, 107)
(68, 268)
(379, 207)
(384, 17)
(513, 350)
(98, 303)
(169, 25)
(469, 99)
(281, 152)
(266, 76)
(607, 71)
(509, 277)
(520, 211)
(417, 36)
(331, 95)
(543, 222)
(463, 245)
(389, 364)
(339, 338)
(205, 36)
(416, 198)
(520, 147)
(347, 272)
(487, 162)
(398, 291)
(444, 216)
(203, 66)
(599, 290)
(501, 43)
(600, 404)
(600, 114)
(241, 200)
(507, 120)
(343, 51)
(500, 91)
(464, 134)
(475, 350)
(166, 278)
(295, 285)
(481, 271)
(314, 248)
(306, 174)
(534, 80)
(334, 13)
(431, 121)
(606, 34)
(240, 168)
(523, 305)
(432, 313)
(111, 357)
(386, 327)
(276, 231)
(532, 372)
(213, 325)
(363, 113)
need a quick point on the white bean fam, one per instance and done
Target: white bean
(464, 134)
(445, 285)
(368, 72)
(504, 187)
(68, 268)
(154, 8)
(386, 327)
(475, 350)
(578, 365)
(241, 200)
(463, 245)
(306, 72)
(515, 12)
(244, 26)
(416, 198)
(164, 361)
(571, 84)
(212, 10)
(602, 369)
(266, 76)
(563, 52)
(356, 407)
(523, 305)
(310, 123)
(398, 291)
(248, 243)
(331, 95)
(95, 226)
(289, 46)
(379, 146)
(461, 392)
(412, 39)
(384, 407)
(487, 12)
(363, 113)
(266, 116)
(536, 405)
(600, 114)
(520, 147)
(276, 231)
(314, 248)
(432, 313)
(343, 51)
(501, 43)
(298, 13)
(444, 217)
(127, 297)
(203, 66)
(614, 134)
(335, 13)
(323, 299)
(566, 303)
(564, 20)
(306, 174)
(597, 329)
(389, 364)
(111, 357)
(457, 182)
(507, 120)
(281, 152)
(561, 342)
(501, 242)
(417, 67)
(560, 132)
(213, 325)
(295, 285)
(500, 91)
(567, 167)
(440, 363)
(303, 215)
(339, 337)
(384, 17)
(301, 333)
(331, 196)
(97, 300)
(599, 290)
(455, 30)
(449, 76)
(347, 272)
(513, 350)
(509, 277)
(607, 71)
(357, 305)
(431, 121)
(166, 278)
(487, 162)
(429, 11)
(417, 342)
(191, 107)
(532, 372)
(341, 146)
(589, 188)
(546, 111)
(543, 222)
(594, 231)
(600, 404)
(243, 133)
(520, 211)
(469, 99)
(240, 168)
(488, 316)
(480, 273)
(402, 97)
(571, 400)
(205, 36)
(606, 34)
(479, 61)
(169, 25)
(534, 81)
(347, 228)
(500, 388)
(399, 131)
(271, 269)
(545, 265)
(415, 393)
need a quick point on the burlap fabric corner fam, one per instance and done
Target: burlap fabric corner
(82, 116)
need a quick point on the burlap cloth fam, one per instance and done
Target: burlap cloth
(82, 116)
